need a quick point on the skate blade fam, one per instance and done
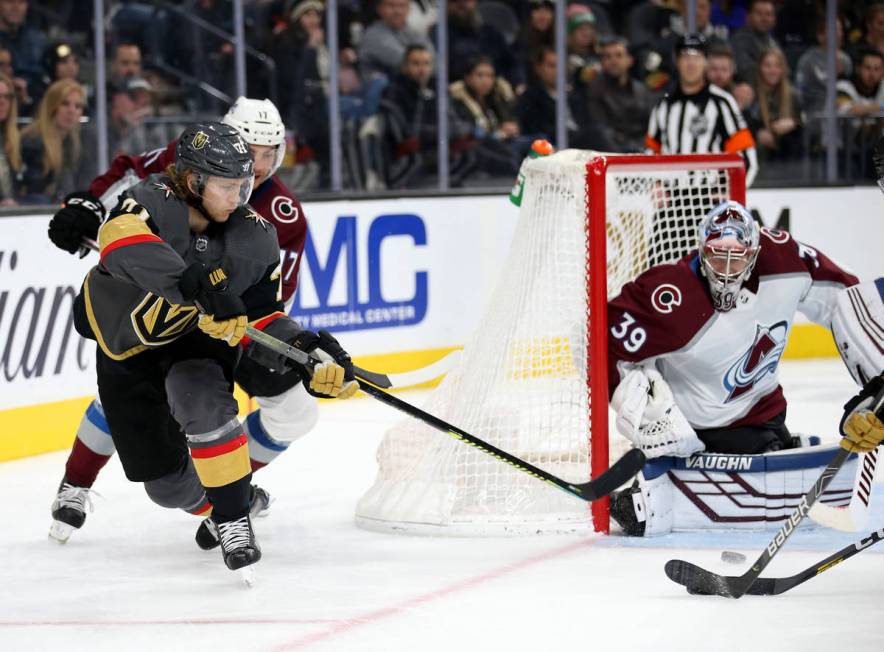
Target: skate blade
(247, 573)
(61, 532)
(266, 511)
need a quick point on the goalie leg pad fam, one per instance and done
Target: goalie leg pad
(858, 329)
(751, 492)
(656, 492)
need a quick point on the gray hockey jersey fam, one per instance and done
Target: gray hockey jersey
(131, 299)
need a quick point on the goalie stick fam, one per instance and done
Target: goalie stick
(621, 471)
(853, 516)
(778, 585)
(701, 581)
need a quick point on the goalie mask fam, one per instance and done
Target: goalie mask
(728, 244)
(259, 123)
(214, 149)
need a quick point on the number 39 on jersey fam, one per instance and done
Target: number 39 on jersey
(632, 335)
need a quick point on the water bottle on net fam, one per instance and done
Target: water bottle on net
(539, 147)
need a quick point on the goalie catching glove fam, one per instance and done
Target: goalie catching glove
(863, 421)
(332, 377)
(648, 416)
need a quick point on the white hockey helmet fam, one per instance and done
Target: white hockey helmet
(728, 241)
(259, 123)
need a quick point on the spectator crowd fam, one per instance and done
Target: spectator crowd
(170, 62)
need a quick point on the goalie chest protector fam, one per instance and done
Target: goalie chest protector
(723, 366)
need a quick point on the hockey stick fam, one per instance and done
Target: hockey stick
(777, 585)
(852, 517)
(395, 380)
(701, 581)
(621, 471)
(411, 378)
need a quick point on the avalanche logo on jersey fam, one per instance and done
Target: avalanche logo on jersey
(284, 210)
(761, 359)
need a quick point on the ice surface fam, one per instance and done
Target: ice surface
(133, 579)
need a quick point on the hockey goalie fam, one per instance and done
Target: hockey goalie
(694, 351)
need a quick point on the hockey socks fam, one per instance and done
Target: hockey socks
(92, 448)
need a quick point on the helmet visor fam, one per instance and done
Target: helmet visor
(225, 192)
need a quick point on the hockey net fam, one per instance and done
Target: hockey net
(533, 379)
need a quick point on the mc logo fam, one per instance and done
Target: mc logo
(343, 291)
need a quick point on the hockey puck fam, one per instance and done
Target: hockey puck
(732, 557)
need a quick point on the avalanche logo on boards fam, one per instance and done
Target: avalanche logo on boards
(761, 359)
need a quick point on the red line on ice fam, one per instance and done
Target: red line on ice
(345, 626)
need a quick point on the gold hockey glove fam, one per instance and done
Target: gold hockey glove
(328, 380)
(230, 330)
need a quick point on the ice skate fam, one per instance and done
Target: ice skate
(239, 547)
(207, 532)
(69, 510)
(625, 511)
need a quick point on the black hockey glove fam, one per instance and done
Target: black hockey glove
(79, 217)
(285, 330)
(207, 288)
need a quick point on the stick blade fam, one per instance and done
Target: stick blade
(376, 379)
(699, 581)
(768, 586)
(619, 472)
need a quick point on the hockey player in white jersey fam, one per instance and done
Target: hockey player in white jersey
(694, 352)
(858, 328)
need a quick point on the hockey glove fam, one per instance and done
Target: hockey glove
(79, 217)
(229, 330)
(863, 428)
(333, 376)
(224, 313)
(648, 416)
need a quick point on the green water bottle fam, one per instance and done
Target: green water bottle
(539, 148)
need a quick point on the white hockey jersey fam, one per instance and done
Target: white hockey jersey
(722, 366)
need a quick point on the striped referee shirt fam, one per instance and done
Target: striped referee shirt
(706, 122)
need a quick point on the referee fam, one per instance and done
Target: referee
(697, 117)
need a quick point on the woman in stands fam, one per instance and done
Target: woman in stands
(775, 116)
(54, 165)
(10, 146)
(487, 102)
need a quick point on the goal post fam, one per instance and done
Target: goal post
(533, 379)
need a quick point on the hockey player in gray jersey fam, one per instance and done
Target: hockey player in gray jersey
(185, 266)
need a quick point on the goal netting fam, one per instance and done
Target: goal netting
(533, 378)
